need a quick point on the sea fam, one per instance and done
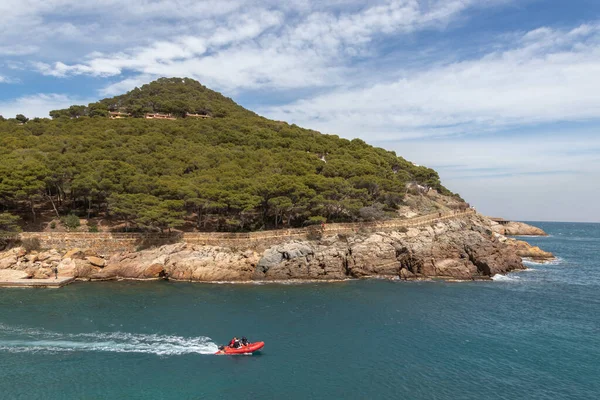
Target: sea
(527, 335)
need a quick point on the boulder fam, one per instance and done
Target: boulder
(154, 271)
(524, 249)
(8, 260)
(96, 261)
(514, 228)
(523, 229)
(10, 275)
(74, 254)
(406, 274)
(459, 269)
(42, 273)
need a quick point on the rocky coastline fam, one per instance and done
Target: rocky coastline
(515, 228)
(454, 249)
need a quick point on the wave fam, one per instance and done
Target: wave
(555, 261)
(530, 236)
(116, 342)
(505, 278)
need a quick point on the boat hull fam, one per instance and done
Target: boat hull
(251, 348)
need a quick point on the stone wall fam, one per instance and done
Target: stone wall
(105, 243)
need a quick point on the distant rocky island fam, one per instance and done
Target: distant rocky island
(215, 192)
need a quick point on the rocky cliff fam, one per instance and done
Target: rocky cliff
(461, 248)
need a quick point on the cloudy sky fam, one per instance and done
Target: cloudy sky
(502, 97)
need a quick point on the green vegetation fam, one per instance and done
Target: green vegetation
(71, 221)
(9, 224)
(32, 244)
(167, 95)
(235, 171)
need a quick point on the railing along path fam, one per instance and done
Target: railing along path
(199, 237)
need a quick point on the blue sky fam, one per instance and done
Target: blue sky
(502, 97)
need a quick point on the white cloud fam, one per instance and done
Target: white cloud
(331, 53)
(531, 176)
(266, 44)
(17, 50)
(550, 75)
(37, 105)
(126, 85)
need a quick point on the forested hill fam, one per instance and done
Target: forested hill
(167, 95)
(228, 170)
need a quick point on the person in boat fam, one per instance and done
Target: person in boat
(244, 341)
(232, 341)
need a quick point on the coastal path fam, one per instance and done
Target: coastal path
(107, 242)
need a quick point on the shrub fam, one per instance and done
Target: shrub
(93, 228)
(372, 213)
(314, 233)
(52, 225)
(32, 244)
(316, 220)
(9, 224)
(71, 221)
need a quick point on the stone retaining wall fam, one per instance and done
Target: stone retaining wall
(107, 242)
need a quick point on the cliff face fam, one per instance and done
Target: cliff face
(462, 248)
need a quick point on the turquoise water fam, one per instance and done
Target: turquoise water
(531, 335)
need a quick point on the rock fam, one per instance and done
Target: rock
(526, 250)
(517, 229)
(67, 267)
(522, 229)
(42, 273)
(463, 248)
(74, 253)
(9, 275)
(7, 260)
(96, 261)
(406, 274)
(270, 258)
(89, 252)
(459, 269)
(413, 232)
(154, 271)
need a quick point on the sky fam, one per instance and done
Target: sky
(501, 97)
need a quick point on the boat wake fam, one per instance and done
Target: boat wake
(17, 340)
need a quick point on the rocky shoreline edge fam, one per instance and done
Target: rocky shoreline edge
(462, 249)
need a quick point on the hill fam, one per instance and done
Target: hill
(166, 95)
(230, 170)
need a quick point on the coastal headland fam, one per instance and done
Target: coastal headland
(173, 180)
(452, 246)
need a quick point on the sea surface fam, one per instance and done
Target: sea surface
(529, 335)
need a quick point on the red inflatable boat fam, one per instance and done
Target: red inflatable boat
(249, 349)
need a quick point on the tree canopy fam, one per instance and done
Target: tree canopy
(236, 171)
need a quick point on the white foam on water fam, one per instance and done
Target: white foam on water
(555, 261)
(505, 278)
(116, 342)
